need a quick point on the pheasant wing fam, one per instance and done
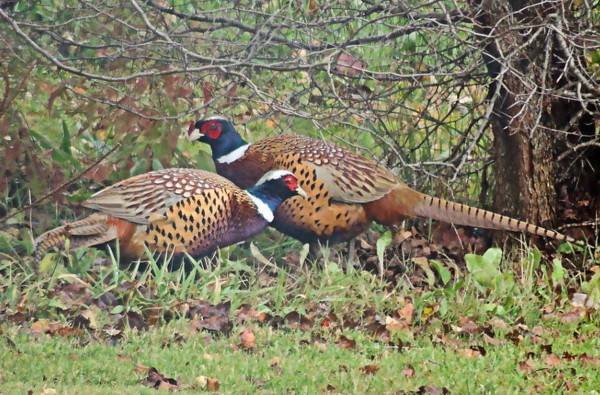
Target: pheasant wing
(349, 177)
(139, 198)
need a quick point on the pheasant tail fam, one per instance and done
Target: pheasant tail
(404, 201)
(87, 232)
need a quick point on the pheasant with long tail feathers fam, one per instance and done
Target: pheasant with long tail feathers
(175, 211)
(346, 192)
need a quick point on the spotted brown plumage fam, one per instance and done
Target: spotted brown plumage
(175, 211)
(346, 191)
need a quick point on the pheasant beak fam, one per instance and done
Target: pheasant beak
(193, 133)
(302, 192)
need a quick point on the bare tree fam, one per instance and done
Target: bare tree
(437, 89)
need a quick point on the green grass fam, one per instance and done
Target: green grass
(288, 361)
(499, 326)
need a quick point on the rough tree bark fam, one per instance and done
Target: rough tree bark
(529, 122)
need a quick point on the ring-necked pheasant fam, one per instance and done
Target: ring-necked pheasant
(345, 191)
(176, 211)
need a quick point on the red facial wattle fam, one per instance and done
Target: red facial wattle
(212, 129)
(291, 182)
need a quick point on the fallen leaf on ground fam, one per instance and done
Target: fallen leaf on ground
(469, 353)
(139, 368)
(214, 319)
(526, 366)
(54, 328)
(491, 340)
(248, 340)
(432, 389)
(408, 371)
(212, 384)
(297, 321)
(157, 380)
(553, 360)
(370, 369)
(246, 313)
(467, 325)
(345, 342)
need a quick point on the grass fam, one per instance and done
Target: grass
(501, 325)
(287, 361)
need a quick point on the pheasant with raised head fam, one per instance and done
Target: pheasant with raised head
(346, 192)
(175, 211)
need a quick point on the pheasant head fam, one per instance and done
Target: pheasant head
(272, 189)
(225, 142)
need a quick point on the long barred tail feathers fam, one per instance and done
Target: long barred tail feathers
(462, 214)
(87, 232)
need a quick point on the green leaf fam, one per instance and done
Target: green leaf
(47, 263)
(303, 254)
(485, 268)
(566, 248)
(382, 243)
(139, 167)
(156, 165)
(41, 139)
(65, 145)
(118, 309)
(534, 257)
(558, 272)
(493, 256)
(441, 270)
(56, 303)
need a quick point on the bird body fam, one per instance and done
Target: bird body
(175, 211)
(346, 191)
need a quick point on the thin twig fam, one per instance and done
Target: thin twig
(61, 186)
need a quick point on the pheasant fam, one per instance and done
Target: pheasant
(346, 192)
(175, 211)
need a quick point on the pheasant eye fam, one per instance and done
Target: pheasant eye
(212, 129)
(291, 182)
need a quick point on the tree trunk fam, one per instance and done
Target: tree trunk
(523, 58)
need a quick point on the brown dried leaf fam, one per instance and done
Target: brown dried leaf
(406, 313)
(54, 95)
(553, 360)
(297, 321)
(467, 325)
(246, 313)
(140, 368)
(157, 380)
(491, 340)
(370, 369)
(207, 91)
(329, 322)
(213, 318)
(586, 359)
(432, 389)
(54, 328)
(212, 384)
(247, 340)
(469, 353)
(572, 316)
(408, 371)
(346, 343)
(526, 366)
(40, 326)
(350, 65)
